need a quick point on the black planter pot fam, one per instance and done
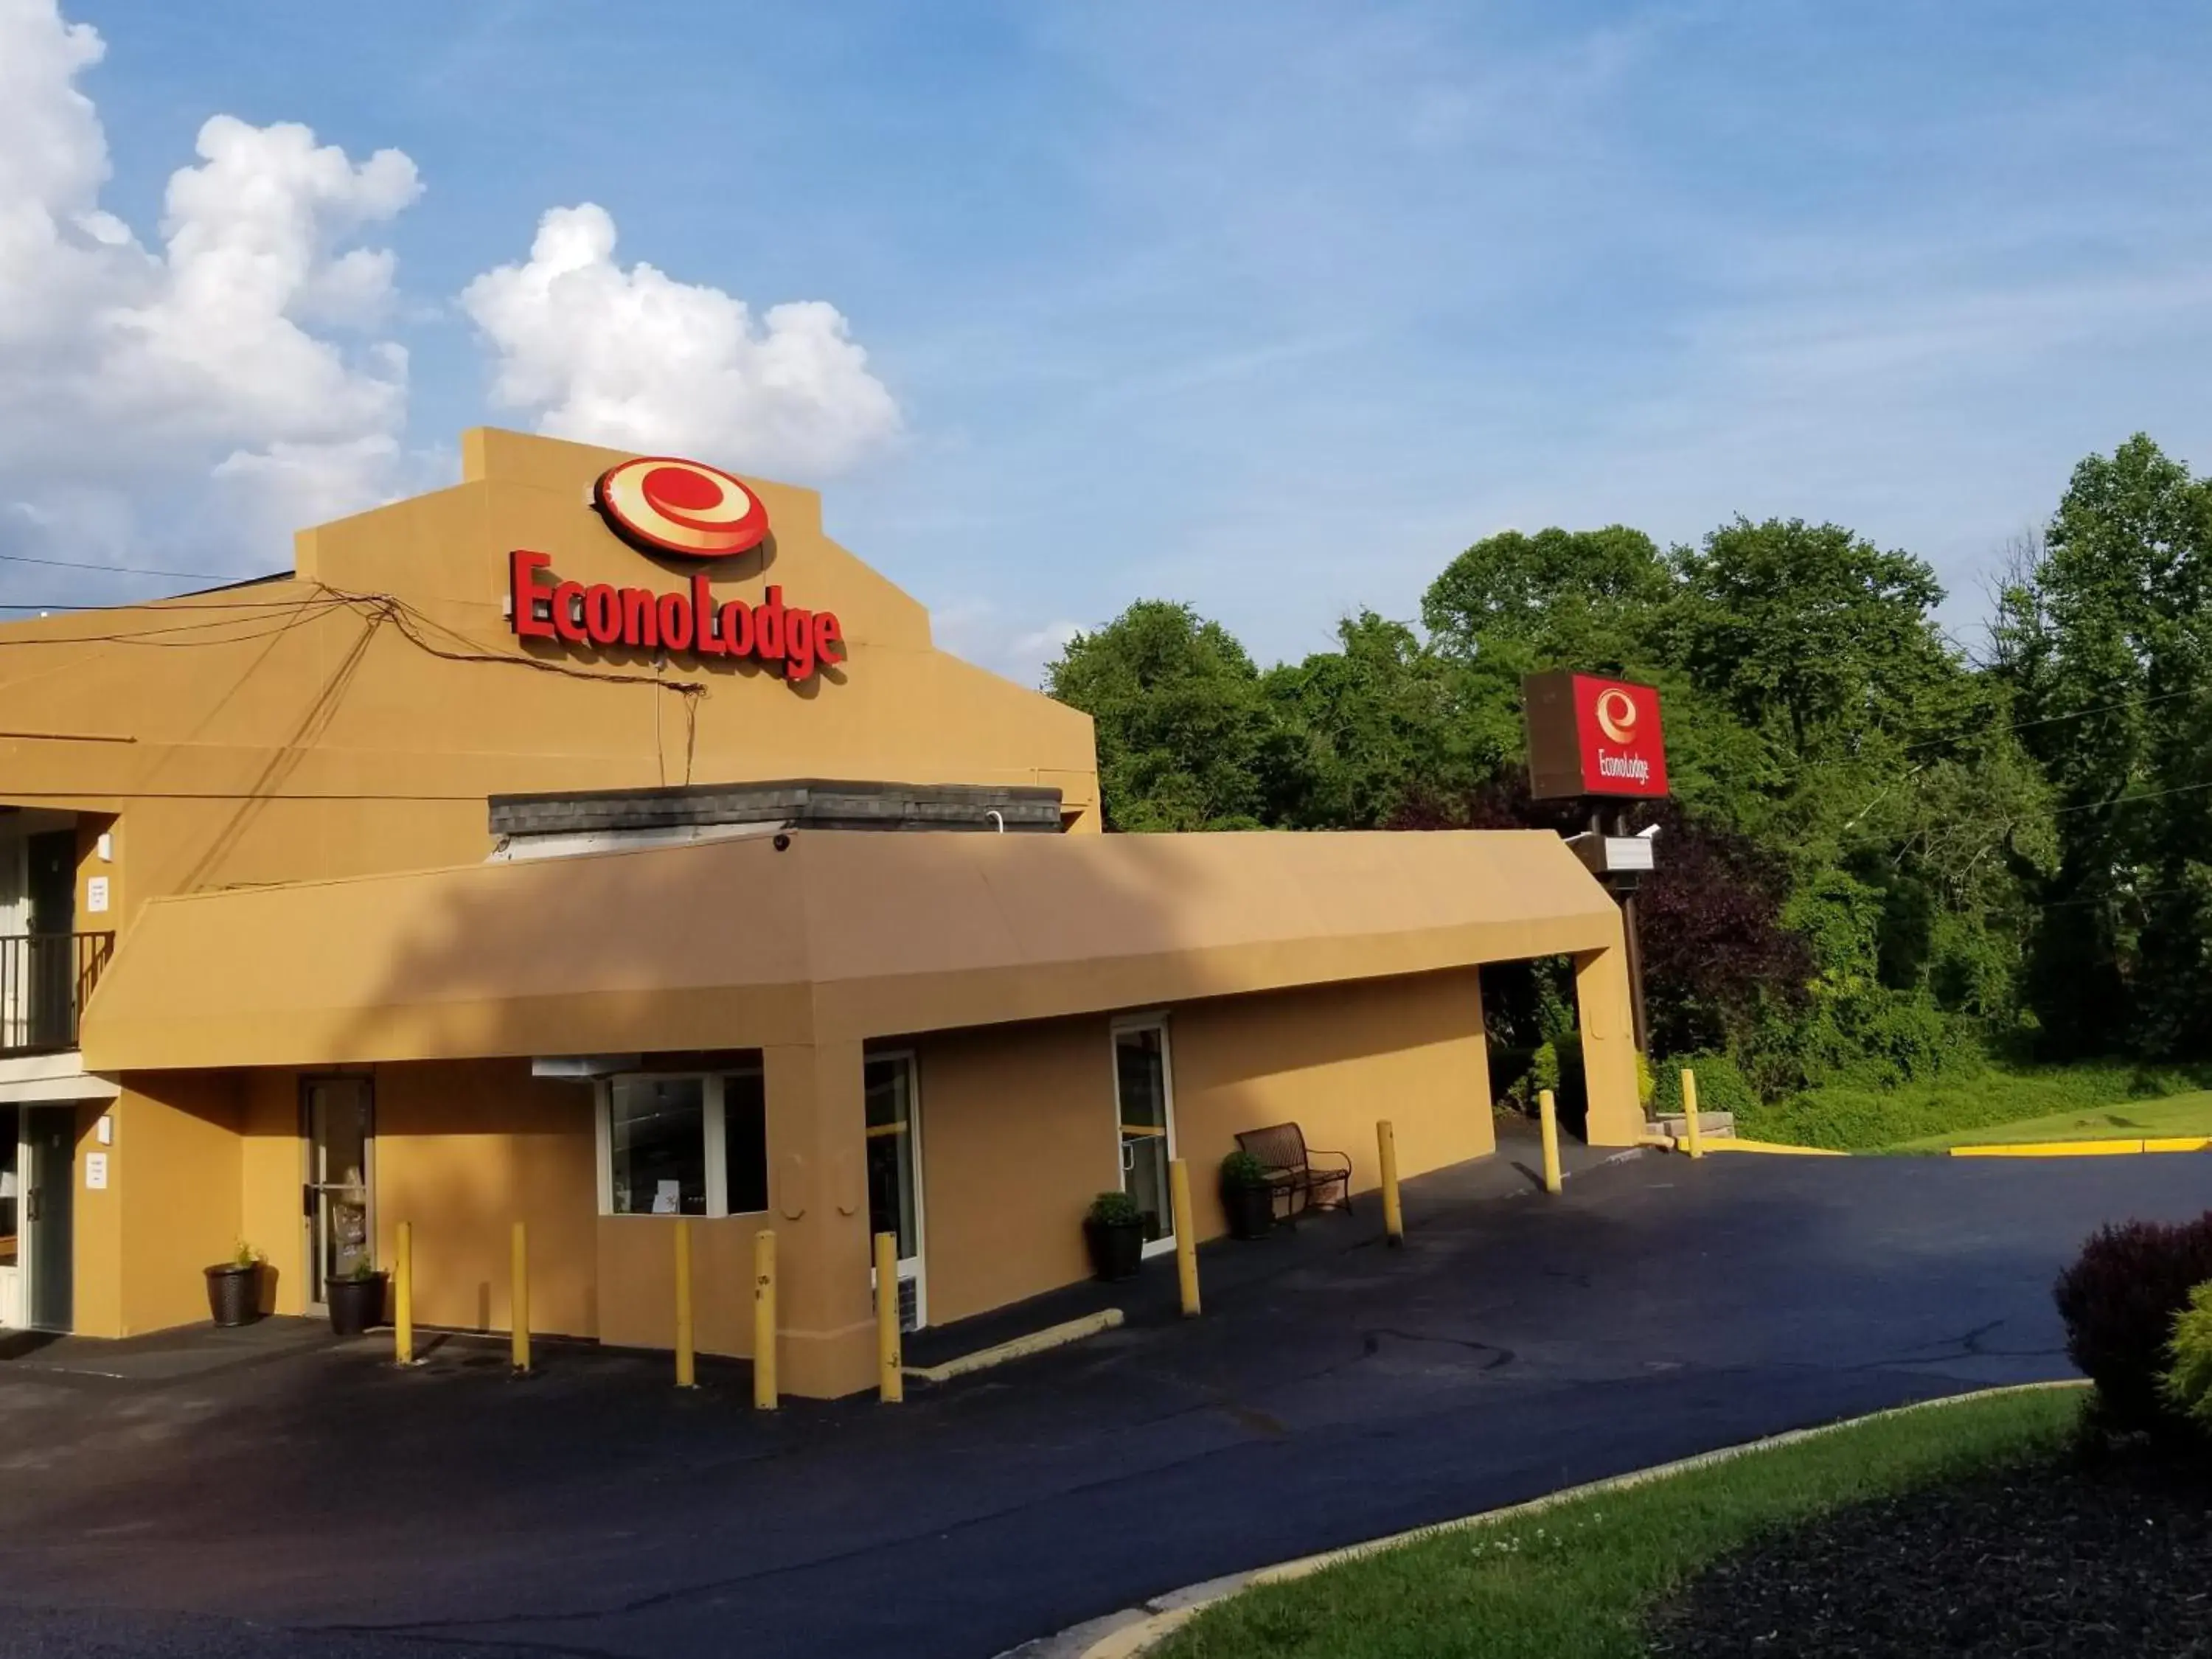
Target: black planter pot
(356, 1303)
(1117, 1248)
(1250, 1208)
(234, 1293)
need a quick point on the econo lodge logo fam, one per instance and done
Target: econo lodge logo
(661, 505)
(1616, 715)
(667, 506)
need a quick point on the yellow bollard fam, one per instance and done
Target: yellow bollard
(1547, 1116)
(765, 1320)
(403, 1297)
(1393, 1214)
(686, 1363)
(1186, 1235)
(518, 1299)
(890, 1366)
(1690, 1140)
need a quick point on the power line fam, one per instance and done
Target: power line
(120, 569)
(2109, 899)
(2123, 801)
(151, 636)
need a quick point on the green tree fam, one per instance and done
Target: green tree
(1187, 738)
(1814, 633)
(1587, 599)
(2107, 642)
(1384, 717)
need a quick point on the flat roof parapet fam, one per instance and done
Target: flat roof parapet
(815, 803)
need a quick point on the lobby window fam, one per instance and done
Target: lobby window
(684, 1143)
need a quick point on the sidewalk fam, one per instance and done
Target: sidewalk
(165, 1356)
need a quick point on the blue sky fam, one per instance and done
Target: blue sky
(1273, 307)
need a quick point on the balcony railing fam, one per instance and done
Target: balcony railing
(44, 979)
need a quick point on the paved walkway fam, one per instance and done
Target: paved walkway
(328, 1505)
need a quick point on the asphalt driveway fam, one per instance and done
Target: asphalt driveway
(322, 1503)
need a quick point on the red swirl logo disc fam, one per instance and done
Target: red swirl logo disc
(1616, 715)
(668, 505)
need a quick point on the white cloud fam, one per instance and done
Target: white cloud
(633, 358)
(233, 350)
(977, 631)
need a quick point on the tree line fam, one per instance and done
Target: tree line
(1887, 854)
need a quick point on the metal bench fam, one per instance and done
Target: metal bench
(1291, 1173)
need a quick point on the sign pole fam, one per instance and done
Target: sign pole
(1635, 944)
(1635, 971)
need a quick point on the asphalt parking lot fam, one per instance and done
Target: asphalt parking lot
(315, 1501)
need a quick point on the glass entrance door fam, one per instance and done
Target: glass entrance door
(1145, 1106)
(895, 1175)
(49, 1181)
(340, 1141)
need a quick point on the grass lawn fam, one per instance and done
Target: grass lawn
(2178, 1115)
(1860, 1119)
(1575, 1580)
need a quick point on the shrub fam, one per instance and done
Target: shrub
(2187, 1386)
(1241, 1168)
(1528, 1071)
(1721, 1086)
(1114, 1210)
(2120, 1300)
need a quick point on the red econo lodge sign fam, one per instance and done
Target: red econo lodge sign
(1588, 736)
(664, 506)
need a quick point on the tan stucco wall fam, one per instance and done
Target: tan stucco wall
(1334, 1060)
(171, 1207)
(1018, 1136)
(1017, 1122)
(177, 1149)
(272, 1168)
(637, 1266)
(96, 1234)
(818, 1194)
(291, 742)
(465, 1152)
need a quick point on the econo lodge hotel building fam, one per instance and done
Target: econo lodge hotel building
(481, 869)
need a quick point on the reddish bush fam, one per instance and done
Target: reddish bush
(1715, 951)
(2119, 1301)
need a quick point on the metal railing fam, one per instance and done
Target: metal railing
(44, 979)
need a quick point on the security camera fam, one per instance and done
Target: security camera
(1649, 832)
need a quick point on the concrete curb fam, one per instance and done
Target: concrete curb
(1019, 1347)
(2085, 1148)
(1135, 1631)
(1772, 1148)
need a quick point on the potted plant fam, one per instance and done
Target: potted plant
(356, 1299)
(1114, 1230)
(1247, 1197)
(234, 1288)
